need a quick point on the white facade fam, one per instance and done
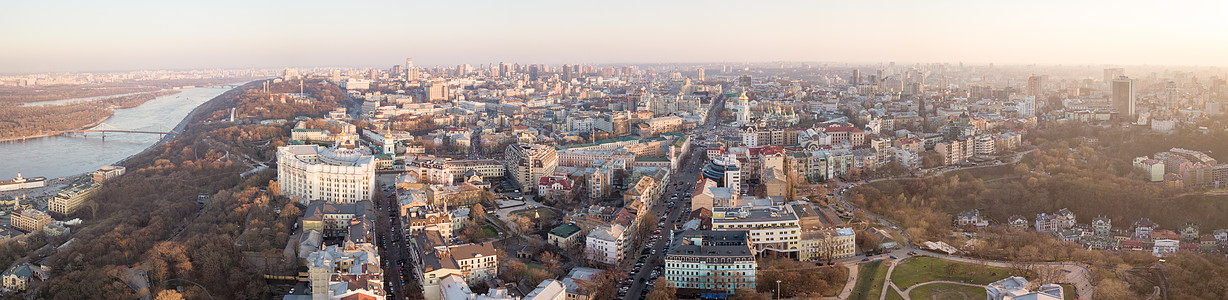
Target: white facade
(311, 172)
(606, 244)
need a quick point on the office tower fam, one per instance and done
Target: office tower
(856, 79)
(1123, 96)
(1112, 73)
(505, 69)
(461, 70)
(568, 74)
(701, 74)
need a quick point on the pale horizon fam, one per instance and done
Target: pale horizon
(79, 36)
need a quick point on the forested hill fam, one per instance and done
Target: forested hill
(150, 219)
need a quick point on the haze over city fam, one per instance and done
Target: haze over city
(597, 150)
(42, 36)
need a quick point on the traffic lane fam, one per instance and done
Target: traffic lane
(655, 259)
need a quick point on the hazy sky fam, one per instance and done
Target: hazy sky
(37, 36)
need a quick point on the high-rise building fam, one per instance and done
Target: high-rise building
(701, 74)
(1123, 96)
(411, 72)
(526, 163)
(437, 91)
(1112, 73)
(1035, 85)
(856, 78)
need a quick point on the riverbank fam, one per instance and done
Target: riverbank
(57, 133)
(178, 127)
(44, 118)
(54, 154)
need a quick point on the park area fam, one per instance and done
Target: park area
(929, 278)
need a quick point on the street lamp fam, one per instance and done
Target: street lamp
(778, 289)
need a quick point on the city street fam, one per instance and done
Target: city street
(687, 175)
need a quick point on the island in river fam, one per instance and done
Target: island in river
(24, 122)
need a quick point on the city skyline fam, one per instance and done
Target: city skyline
(83, 36)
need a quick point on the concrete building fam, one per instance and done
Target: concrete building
(772, 228)
(526, 163)
(311, 172)
(1123, 96)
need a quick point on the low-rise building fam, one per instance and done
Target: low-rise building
(1016, 288)
(772, 228)
(18, 277)
(565, 236)
(606, 244)
(29, 220)
(69, 200)
(711, 260)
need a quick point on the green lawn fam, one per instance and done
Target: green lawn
(870, 280)
(1068, 291)
(923, 269)
(892, 295)
(946, 291)
(490, 231)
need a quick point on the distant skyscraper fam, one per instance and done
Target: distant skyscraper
(568, 74)
(856, 79)
(1034, 85)
(701, 74)
(1123, 96)
(411, 72)
(745, 80)
(1112, 73)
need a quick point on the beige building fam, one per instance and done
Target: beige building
(69, 200)
(489, 168)
(527, 163)
(107, 172)
(29, 220)
(18, 277)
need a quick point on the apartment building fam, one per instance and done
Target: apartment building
(526, 163)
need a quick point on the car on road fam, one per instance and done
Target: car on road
(893, 257)
(865, 259)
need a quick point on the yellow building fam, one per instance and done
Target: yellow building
(30, 220)
(69, 200)
(827, 244)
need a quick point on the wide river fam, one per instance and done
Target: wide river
(60, 156)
